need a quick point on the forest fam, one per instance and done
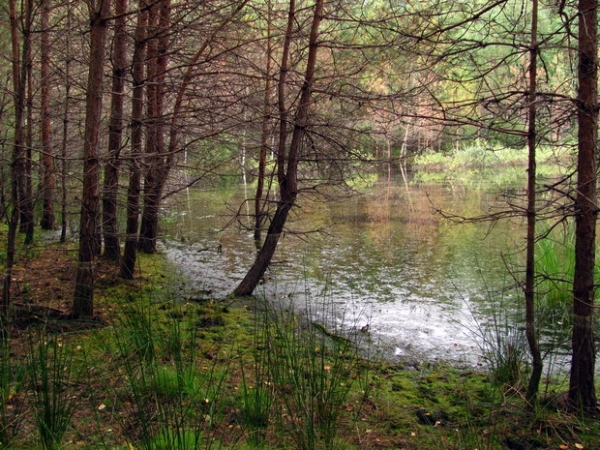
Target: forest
(109, 109)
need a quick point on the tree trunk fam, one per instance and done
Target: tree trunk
(112, 249)
(530, 331)
(137, 115)
(155, 151)
(83, 301)
(17, 154)
(27, 225)
(47, 158)
(150, 215)
(259, 214)
(582, 393)
(21, 53)
(287, 162)
(160, 164)
(65, 136)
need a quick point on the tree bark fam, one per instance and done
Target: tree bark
(157, 159)
(48, 221)
(83, 301)
(112, 249)
(17, 162)
(65, 137)
(259, 214)
(287, 161)
(582, 393)
(27, 225)
(530, 331)
(137, 116)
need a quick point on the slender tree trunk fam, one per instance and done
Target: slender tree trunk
(112, 249)
(83, 301)
(154, 127)
(65, 137)
(137, 116)
(17, 153)
(3, 178)
(259, 214)
(27, 225)
(532, 340)
(47, 158)
(21, 71)
(582, 393)
(287, 166)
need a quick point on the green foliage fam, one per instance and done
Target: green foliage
(173, 438)
(483, 162)
(50, 372)
(174, 398)
(313, 371)
(11, 383)
(502, 341)
(257, 391)
(555, 266)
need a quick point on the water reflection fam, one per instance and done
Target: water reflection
(425, 285)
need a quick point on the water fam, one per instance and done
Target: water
(427, 287)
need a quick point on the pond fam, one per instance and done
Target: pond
(384, 261)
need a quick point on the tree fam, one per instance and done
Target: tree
(259, 215)
(157, 159)
(83, 300)
(137, 114)
(287, 157)
(529, 290)
(25, 185)
(161, 160)
(582, 391)
(47, 157)
(68, 62)
(112, 249)
(21, 54)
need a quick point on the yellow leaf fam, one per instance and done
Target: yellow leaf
(579, 446)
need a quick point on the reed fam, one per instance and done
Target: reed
(12, 375)
(175, 401)
(312, 369)
(51, 377)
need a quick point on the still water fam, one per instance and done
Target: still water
(427, 287)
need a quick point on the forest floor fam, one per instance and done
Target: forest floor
(153, 370)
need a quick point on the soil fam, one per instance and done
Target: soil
(43, 285)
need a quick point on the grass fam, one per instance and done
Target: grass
(163, 373)
(50, 370)
(12, 377)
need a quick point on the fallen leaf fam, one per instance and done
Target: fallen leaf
(579, 446)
